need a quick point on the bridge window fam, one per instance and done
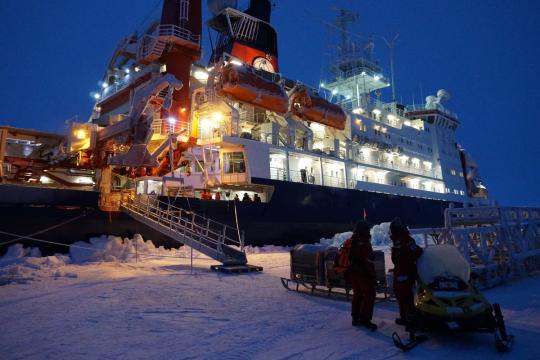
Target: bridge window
(234, 163)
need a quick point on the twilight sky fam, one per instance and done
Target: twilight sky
(485, 53)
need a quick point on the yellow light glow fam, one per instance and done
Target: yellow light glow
(217, 116)
(200, 75)
(80, 134)
(205, 123)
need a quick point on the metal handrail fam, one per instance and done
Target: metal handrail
(214, 232)
(499, 242)
(422, 107)
(389, 165)
(179, 32)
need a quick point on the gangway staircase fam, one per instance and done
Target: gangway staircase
(218, 241)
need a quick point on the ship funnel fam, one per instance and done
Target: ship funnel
(261, 9)
(169, 13)
(216, 6)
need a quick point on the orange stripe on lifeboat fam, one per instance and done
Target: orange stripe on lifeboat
(311, 107)
(241, 84)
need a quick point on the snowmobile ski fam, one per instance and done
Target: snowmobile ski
(503, 341)
(413, 341)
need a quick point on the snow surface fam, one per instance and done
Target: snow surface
(152, 306)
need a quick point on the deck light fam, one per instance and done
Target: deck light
(171, 120)
(377, 77)
(334, 92)
(200, 75)
(217, 116)
(80, 134)
(96, 96)
(236, 62)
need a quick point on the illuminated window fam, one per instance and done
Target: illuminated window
(453, 172)
(233, 163)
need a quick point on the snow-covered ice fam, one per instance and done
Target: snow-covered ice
(153, 307)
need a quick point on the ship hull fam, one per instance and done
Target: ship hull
(297, 213)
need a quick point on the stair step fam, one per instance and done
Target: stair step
(188, 231)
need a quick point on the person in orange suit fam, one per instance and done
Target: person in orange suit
(361, 274)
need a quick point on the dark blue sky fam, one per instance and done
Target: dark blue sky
(485, 53)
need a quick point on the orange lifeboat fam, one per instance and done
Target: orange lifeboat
(241, 84)
(311, 107)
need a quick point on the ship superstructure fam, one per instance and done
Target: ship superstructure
(236, 128)
(254, 123)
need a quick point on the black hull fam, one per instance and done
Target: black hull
(297, 213)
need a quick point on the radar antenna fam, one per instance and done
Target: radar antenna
(343, 19)
(356, 73)
(351, 55)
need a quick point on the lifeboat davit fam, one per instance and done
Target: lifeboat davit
(241, 84)
(311, 107)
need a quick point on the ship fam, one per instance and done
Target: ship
(236, 141)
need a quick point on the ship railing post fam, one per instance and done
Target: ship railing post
(242, 241)
(223, 235)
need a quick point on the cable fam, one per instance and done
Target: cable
(39, 232)
(93, 249)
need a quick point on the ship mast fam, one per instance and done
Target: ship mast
(391, 44)
(355, 73)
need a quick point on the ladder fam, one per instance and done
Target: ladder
(216, 240)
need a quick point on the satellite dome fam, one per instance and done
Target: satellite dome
(430, 100)
(215, 6)
(443, 95)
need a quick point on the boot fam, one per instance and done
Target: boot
(401, 321)
(368, 324)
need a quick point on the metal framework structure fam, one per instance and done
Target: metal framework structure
(500, 243)
(216, 240)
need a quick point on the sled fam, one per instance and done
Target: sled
(312, 272)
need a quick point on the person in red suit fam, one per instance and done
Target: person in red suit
(361, 274)
(405, 253)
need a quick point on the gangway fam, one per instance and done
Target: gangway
(216, 240)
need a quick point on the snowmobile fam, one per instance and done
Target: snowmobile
(447, 299)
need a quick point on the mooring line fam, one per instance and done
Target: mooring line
(40, 231)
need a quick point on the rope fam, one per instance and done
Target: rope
(93, 249)
(18, 237)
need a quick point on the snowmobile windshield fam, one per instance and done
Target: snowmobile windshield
(443, 267)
